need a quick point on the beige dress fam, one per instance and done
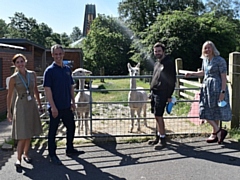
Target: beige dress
(26, 120)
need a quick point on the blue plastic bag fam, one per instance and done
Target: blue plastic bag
(170, 105)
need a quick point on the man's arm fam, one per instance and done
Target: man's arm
(48, 93)
(73, 98)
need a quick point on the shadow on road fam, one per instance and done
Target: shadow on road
(104, 158)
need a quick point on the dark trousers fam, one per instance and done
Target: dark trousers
(158, 102)
(67, 118)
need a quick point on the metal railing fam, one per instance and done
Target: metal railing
(112, 118)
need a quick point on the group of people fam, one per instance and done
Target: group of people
(214, 90)
(58, 83)
(24, 113)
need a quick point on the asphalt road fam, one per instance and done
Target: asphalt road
(188, 158)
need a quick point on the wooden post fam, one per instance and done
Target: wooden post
(144, 73)
(200, 79)
(179, 66)
(234, 87)
(102, 72)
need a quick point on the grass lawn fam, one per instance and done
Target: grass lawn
(115, 85)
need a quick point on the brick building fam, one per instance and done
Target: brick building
(38, 59)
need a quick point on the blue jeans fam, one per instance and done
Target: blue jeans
(67, 117)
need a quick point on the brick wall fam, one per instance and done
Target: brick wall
(6, 55)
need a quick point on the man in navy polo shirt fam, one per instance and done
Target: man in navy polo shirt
(58, 85)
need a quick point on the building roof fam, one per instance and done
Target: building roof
(11, 46)
(79, 41)
(20, 42)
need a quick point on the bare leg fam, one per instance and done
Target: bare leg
(26, 147)
(214, 125)
(160, 128)
(20, 148)
(215, 129)
(160, 124)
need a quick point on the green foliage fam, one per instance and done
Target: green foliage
(76, 34)
(220, 31)
(227, 8)
(65, 40)
(183, 108)
(148, 10)
(107, 45)
(183, 33)
(235, 134)
(10, 141)
(131, 140)
(28, 28)
(3, 28)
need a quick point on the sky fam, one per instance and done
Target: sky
(60, 15)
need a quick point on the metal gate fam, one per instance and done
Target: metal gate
(112, 118)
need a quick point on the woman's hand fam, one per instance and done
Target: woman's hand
(221, 97)
(9, 116)
(188, 74)
(40, 109)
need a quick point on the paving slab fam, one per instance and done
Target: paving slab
(5, 131)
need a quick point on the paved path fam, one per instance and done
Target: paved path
(183, 159)
(5, 131)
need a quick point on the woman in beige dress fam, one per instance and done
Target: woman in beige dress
(25, 115)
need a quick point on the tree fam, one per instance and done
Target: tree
(76, 34)
(65, 40)
(44, 32)
(28, 28)
(23, 27)
(184, 33)
(107, 45)
(172, 5)
(140, 14)
(229, 8)
(3, 28)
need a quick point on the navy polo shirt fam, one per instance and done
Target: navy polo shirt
(60, 80)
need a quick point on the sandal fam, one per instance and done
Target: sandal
(17, 164)
(222, 135)
(212, 140)
(27, 160)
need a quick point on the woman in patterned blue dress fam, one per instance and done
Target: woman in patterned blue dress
(214, 90)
